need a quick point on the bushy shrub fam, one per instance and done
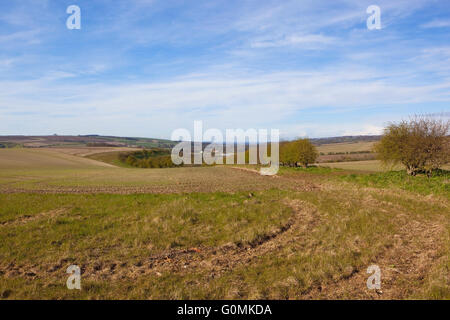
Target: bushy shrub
(299, 151)
(421, 145)
(152, 158)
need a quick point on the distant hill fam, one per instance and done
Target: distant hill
(82, 140)
(344, 139)
(94, 140)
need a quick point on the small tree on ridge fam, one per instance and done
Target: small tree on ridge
(421, 145)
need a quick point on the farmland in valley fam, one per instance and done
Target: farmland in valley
(218, 232)
(346, 147)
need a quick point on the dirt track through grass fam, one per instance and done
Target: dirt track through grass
(217, 260)
(415, 248)
(217, 232)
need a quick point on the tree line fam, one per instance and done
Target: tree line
(151, 158)
(421, 145)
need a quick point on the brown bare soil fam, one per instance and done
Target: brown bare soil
(181, 180)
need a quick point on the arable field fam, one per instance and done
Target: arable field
(218, 232)
(346, 147)
(369, 165)
(346, 152)
(21, 159)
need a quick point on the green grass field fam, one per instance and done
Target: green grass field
(218, 232)
(369, 166)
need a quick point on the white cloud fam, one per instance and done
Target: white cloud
(28, 36)
(6, 63)
(363, 130)
(308, 41)
(436, 24)
(133, 69)
(246, 101)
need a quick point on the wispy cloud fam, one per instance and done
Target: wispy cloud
(234, 101)
(307, 41)
(145, 67)
(437, 24)
(28, 37)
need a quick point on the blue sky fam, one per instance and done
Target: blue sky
(147, 67)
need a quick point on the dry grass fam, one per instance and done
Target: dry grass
(270, 244)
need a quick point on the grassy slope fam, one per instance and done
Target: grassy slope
(44, 159)
(45, 234)
(128, 225)
(134, 246)
(438, 184)
(109, 157)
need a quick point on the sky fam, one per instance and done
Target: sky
(144, 68)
